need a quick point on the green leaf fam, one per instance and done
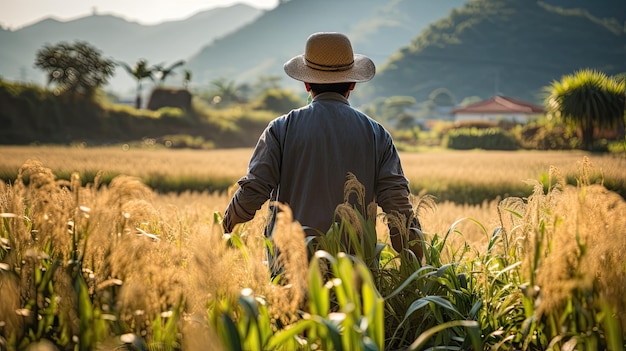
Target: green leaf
(229, 334)
(319, 301)
(289, 333)
(419, 273)
(333, 333)
(472, 326)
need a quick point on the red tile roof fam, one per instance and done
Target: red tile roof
(500, 104)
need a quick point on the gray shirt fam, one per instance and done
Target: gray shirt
(305, 156)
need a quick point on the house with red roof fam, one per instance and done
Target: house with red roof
(498, 108)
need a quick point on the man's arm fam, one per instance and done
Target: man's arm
(394, 197)
(243, 206)
(256, 187)
(413, 238)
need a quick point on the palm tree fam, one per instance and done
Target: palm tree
(187, 79)
(588, 99)
(140, 72)
(162, 72)
(226, 91)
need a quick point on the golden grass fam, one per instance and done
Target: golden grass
(429, 169)
(139, 162)
(155, 248)
(148, 249)
(574, 239)
(432, 168)
(436, 169)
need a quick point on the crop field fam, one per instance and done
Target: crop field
(103, 248)
(464, 183)
(447, 166)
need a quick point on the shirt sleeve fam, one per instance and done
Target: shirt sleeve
(393, 195)
(392, 188)
(261, 179)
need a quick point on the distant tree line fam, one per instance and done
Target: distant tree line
(79, 68)
(587, 99)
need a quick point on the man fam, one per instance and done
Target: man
(302, 158)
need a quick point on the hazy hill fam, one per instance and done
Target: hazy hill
(119, 39)
(376, 28)
(509, 47)
(471, 47)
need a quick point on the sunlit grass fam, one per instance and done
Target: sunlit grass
(89, 266)
(459, 176)
(143, 162)
(501, 172)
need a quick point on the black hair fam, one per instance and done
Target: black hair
(341, 88)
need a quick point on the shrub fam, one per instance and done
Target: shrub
(473, 138)
(544, 135)
(279, 101)
(171, 112)
(182, 141)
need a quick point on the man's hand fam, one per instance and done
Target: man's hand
(414, 241)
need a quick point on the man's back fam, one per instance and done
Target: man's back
(303, 159)
(315, 147)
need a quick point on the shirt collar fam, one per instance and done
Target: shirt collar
(331, 96)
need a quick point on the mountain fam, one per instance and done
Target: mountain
(376, 28)
(600, 9)
(119, 39)
(507, 47)
(470, 47)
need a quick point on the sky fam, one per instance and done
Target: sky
(15, 14)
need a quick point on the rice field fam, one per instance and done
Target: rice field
(428, 173)
(137, 162)
(121, 266)
(429, 168)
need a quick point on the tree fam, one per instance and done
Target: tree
(588, 99)
(140, 72)
(396, 108)
(442, 97)
(187, 79)
(267, 82)
(279, 100)
(226, 91)
(75, 68)
(162, 72)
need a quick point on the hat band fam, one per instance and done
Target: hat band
(327, 67)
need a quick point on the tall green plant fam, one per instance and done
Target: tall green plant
(356, 324)
(588, 99)
(428, 296)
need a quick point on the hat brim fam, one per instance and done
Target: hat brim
(362, 71)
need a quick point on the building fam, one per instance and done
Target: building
(498, 108)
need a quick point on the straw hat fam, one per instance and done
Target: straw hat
(328, 58)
